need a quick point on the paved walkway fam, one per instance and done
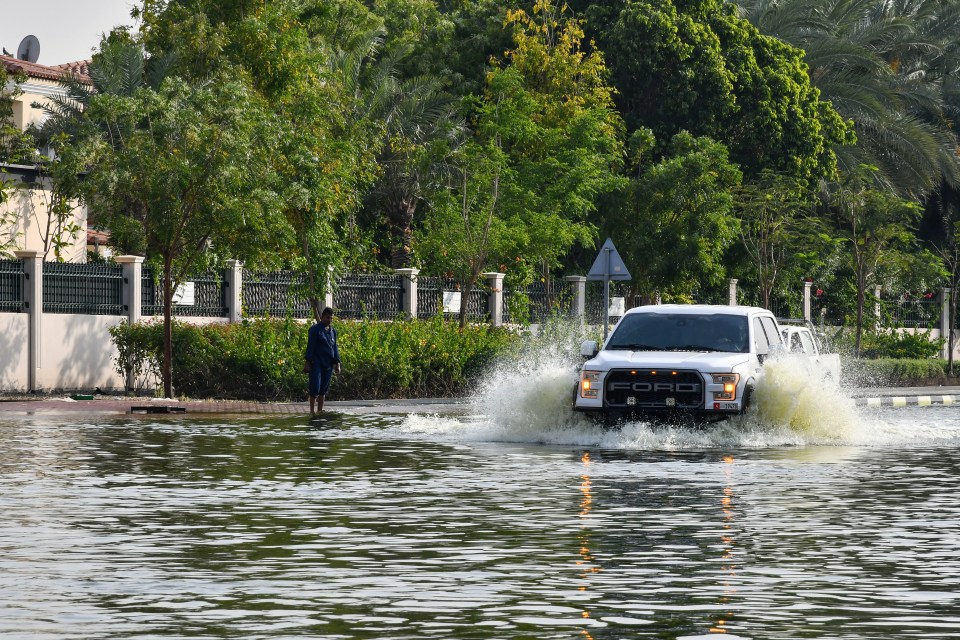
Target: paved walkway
(146, 406)
(872, 397)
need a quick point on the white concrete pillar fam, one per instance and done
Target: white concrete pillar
(328, 296)
(234, 290)
(409, 290)
(495, 301)
(33, 299)
(732, 292)
(578, 287)
(807, 306)
(132, 286)
(946, 322)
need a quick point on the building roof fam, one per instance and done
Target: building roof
(79, 69)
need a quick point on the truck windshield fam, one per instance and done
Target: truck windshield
(681, 332)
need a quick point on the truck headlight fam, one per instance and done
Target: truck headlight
(729, 382)
(589, 383)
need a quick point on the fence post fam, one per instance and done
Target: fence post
(946, 324)
(495, 301)
(409, 290)
(578, 286)
(234, 290)
(732, 292)
(876, 307)
(33, 300)
(132, 286)
(328, 297)
(807, 309)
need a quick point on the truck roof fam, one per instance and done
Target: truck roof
(698, 309)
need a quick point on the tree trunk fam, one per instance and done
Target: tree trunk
(859, 332)
(166, 367)
(951, 323)
(400, 215)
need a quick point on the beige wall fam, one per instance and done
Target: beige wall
(14, 359)
(35, 91)
(26, 212)
(76, 352)
(25, 215)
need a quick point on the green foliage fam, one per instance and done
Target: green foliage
(890, 343)
(697, 66)
(888, 371)
(683, 205)
(262, 359)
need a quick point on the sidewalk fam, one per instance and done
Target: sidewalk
(154, 406)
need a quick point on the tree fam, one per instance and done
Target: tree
(465, 230)
(678, 215)
(180, 174)
(307, 61)
(875, 226)
(551, 110)
(546, 145)
(698, 67)
(887, 67)
(772, 229)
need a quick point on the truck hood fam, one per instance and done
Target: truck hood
(712, 361)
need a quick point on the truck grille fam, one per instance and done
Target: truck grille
(654, 389)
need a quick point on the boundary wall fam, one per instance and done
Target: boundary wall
(67, 346)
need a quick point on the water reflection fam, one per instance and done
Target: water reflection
(364, 528)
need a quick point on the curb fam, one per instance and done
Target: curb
(908, 401)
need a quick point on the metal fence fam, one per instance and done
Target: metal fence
(203, 296)
(432, 293)
(376, 296)
(918, 313)
(275, 294)
(94, 289)
(594, 310)
(11, 286)
(97, 289)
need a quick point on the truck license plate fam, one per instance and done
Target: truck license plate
(671, 402)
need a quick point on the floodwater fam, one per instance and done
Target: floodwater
(515, 519)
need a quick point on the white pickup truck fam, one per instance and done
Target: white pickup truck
(798, 338)
(668, 359)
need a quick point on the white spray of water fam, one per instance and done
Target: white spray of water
(529, 399)
(794, 392)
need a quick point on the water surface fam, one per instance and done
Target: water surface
(518, 520)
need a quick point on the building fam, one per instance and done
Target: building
(25, 221)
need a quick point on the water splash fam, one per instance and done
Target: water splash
(795, 404)
(794, 392)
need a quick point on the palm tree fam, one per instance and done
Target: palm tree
(886, 67)
(419, 129)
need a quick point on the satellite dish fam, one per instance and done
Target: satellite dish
(29, 49)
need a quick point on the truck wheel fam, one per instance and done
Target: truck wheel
(747, 399)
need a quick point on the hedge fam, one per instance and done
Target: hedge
(262, 359)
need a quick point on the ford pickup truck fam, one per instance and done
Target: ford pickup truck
(670, 359)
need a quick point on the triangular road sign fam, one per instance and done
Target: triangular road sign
(608, 265)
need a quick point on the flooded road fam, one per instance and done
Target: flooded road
(489, 525)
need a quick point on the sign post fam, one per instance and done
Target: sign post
(608, 266)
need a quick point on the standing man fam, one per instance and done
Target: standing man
(323, 358)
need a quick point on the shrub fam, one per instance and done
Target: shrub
(262, 359)
(889, 371)
(890, 343)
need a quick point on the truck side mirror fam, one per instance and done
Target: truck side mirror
(588, 348)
